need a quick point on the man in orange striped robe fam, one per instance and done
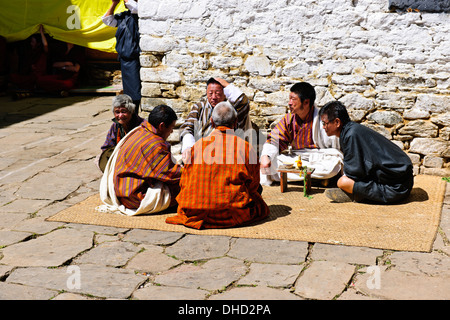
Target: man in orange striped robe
(144, 164)
(303, 130)
(220, 183)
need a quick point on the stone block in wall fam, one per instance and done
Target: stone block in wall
(190, 93)
(426, 146)
(376, 66)
(168, 90)
(296, 70)
(420, 128)
(432, 161)
(416, 113)
(415, 158)
(402, 79)
(442, 119)
(265, 84)
(272, 111)
(385, 118)
(180, 106)
(444, 133)
(258, 65)
(174, 137)
(177, 60)
(280, 99)
(441, 172)
(172, 9)
(152, 90)
(446, 153)
(153, 27)
(149, 61)
(399, 144)
(396, 101)
(158, 45)
(225, 62)
(323, 96)
(357, 115)
(331, 67)
(353, 79)
(358, 102)
(161, 74)
(433, 103)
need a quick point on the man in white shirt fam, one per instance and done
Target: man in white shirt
(198, 124)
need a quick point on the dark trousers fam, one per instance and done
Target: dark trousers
(131, 80)
(384, 193)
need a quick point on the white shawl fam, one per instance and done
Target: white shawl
(156, 199)
(327, 160)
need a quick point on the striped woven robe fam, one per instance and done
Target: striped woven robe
(219, 186)
(294, 131)
(142, 161)
(198, 125)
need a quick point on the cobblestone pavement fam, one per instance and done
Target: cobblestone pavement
(48, 146)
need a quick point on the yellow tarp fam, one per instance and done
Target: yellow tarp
(76, 21)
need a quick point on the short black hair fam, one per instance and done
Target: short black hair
(304, 91)
(162, 113)
(212, 80)
(334, 110)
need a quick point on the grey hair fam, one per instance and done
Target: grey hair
(123, 100)
(224, 114)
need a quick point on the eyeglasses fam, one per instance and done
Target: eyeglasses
(325, 124)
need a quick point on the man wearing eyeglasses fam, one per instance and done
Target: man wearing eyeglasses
(375, 169)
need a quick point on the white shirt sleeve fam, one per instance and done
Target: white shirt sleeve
(269, 150)
(132, 6)
(110, 21)
(187, 142)
(232, 93)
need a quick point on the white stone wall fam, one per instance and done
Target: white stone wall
(390, 69)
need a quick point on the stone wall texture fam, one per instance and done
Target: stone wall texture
(391, 69)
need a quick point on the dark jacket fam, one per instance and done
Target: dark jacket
(127, 35)
(371, 159)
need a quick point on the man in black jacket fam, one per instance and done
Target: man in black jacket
(375, 169)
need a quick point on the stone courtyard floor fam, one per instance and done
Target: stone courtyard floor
(47, 151)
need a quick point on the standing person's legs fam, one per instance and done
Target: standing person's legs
(131, 80)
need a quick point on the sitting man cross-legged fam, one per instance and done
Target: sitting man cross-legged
(220, 183)
(141, 176)
(302, 130)
(375, 169)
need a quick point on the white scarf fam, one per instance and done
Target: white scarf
(156, 199)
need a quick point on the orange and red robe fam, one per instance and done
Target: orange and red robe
(144, 158)
(219, 185)
(292, 130)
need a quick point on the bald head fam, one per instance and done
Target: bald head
(224, 115)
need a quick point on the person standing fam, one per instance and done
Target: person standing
(127, 47)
